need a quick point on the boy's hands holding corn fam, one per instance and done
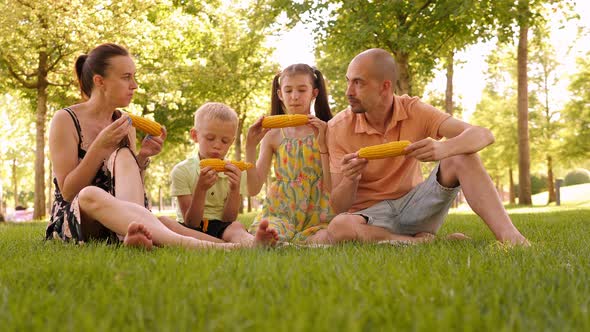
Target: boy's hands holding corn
(234, 176)
(207, 178)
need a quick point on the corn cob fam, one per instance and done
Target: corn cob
(219, 164)
(284, 120)
(391, 149)
(146, 125)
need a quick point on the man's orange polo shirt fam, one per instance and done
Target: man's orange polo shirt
(388, 178)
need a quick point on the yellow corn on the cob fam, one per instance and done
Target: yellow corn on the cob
(391, 149)
(284, 120)
(219, 164)
(146, 125)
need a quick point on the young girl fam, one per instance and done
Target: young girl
(98, 175)
(297, 203)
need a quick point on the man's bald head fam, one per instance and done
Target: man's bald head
(379, 64)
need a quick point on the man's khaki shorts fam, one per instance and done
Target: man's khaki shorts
(423, 209)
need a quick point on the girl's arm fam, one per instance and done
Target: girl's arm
(72, 175)
(257, 175)
(232, 203)
(319, 128)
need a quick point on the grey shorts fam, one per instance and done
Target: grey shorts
(423, 209)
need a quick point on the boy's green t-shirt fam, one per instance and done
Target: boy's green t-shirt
(185, 175)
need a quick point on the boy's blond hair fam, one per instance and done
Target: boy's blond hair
(219, 111)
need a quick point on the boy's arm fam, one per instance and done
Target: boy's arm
(184, 203)
(196, 208)
(193, 207)
(233, 199)
(232, 206)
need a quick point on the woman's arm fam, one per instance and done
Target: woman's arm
(72, 175)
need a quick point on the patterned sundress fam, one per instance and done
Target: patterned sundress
(295, 205)
(65, 221)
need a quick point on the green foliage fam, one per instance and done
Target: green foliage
(17, 131)
(577, 176)
(538, 183)
(497, 112)
(576, 138)
(416, 33)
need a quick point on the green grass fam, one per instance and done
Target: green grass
(467, 286)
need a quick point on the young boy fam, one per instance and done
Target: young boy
(208, 201)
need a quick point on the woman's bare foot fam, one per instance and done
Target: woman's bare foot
(265, 236)
(138, 236)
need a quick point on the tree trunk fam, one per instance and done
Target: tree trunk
(511, 190)
(550, 180)
(15, 183)
(404, 82)
(449, 90)
(39, 204)
(238, 143)
(524, 172)
(238, 151)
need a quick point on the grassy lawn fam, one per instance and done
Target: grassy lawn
(467, 286)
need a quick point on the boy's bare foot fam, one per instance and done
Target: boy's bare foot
(138, 236)
(265, 236)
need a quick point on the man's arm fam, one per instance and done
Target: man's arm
(345, 184)
(462, 138)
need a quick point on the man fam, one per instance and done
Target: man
(386, 199)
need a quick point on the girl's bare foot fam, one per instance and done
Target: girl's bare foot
(138, 236)
(265, 236)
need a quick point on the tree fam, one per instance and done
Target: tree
(417, 33)
(545, 124)
(524, 15)
(496, 111)
(17, 133)
(38, 42)
(576, 135)
(524, 162)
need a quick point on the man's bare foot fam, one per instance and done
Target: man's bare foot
(265, 236)
(138, 236)
(457, 236)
